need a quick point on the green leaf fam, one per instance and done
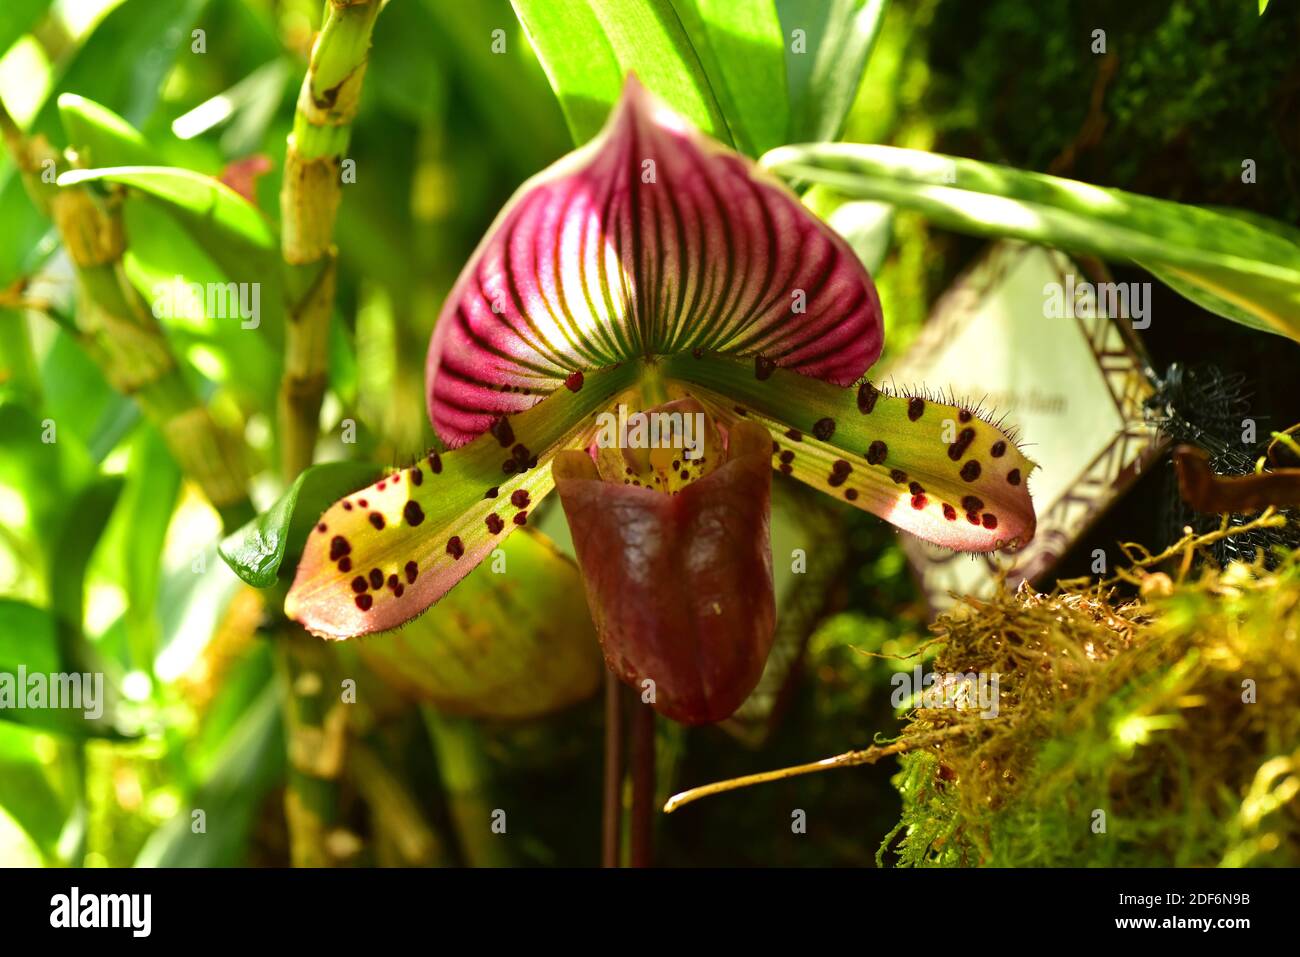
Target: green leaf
(18, 17)
(532, 133)
(29, 788)
(122, 64)
(27, 637)
(509, 646)
(1224, 258)
(257, 551)
(740, 45)
(837, 37)
(587, 50)
(229, 228)
(235, 771)
(100, 136)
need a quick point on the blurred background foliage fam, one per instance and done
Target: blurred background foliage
(108, 555)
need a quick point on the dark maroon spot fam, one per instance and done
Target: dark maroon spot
(435, 462)
(519, 498)
(839, 473)
(958, 448)
(412, 572)
(364, 602)
(876, 452)
(412, 512)
(359, 584)
(973, 518)
(1014, 476)
(698, 352)
(999, 449)
(376, 578)
(763, 368)
(898, 476)
(823, 429)
(774, 448)
(494, 523)
(851, 494)
(491, 493)
(786, 468)
(521, 454)
(916, 488)
(787, 456)
(417, 477)
(919, 502)
(949, 512)
(915, 407)
(740, 411)
(377, 520)
(397, 592)
(972, 503)
(339, 547)
(380, 486)
(347, 506)
(345, 564)
(867, 396)
(676, 465)
(686, 476)
(963, 416)
(509, 466)
(794, 435)
(521, 518)
(502, 432)
(395, 478)
(362, 503)
(990, 520)
(321, 527)
(454, 548)
(574, 382)
(970, 471)
(392, 581)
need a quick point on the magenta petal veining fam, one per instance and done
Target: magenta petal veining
(651, 240)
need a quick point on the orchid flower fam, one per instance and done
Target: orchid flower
(656, 271)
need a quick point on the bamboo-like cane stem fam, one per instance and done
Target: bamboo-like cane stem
(309, 204)
(121, 334)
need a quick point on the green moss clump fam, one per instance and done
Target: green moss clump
(1158, 731)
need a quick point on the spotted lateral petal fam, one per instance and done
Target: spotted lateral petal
(650, 240)
(380, 556)
(934, 470)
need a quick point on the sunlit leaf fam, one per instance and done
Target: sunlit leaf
(100, 136)
(588, 49)
(18, 17)
(223, 223)
(1228, 260)
(739, 42)
(257, 551)
(825, 60)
